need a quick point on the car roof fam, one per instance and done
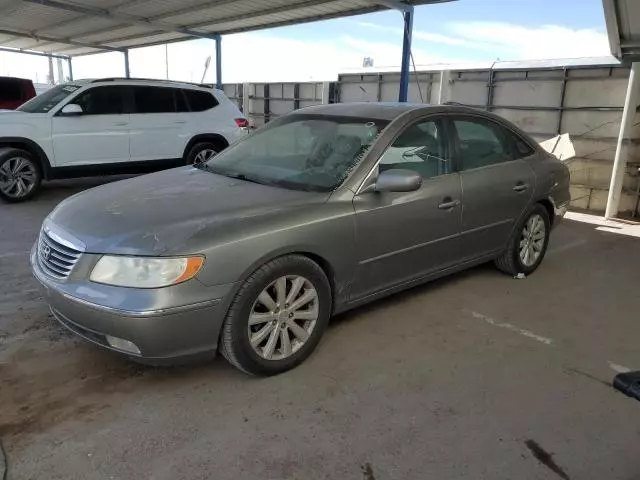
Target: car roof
(142, 81)
(385, 110)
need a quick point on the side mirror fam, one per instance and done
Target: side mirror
(71, 110)
(395, 180)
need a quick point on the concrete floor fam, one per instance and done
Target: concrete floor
(476, 376)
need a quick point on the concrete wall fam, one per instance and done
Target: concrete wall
(584, 101)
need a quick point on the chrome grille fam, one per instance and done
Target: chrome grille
(56, 259)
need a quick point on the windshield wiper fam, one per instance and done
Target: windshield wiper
(243, 177)
(234, 175)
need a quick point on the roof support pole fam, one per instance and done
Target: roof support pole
(127, 72)
(51, 77)
(406, 55)
(219, 62)
(70, 65)
(622, 149)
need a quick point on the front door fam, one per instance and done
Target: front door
(99, 136)
(497, 183)
(403, 236)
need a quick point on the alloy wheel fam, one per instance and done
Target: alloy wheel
(283, 317)
(204, 156)
(18, 177)
(532, 240)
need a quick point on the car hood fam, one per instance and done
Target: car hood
(152, 214)
(12, 115)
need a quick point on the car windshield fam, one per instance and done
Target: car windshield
(300, 152)
(49, 99)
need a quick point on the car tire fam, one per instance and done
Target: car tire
(244, 326)
(532, 234)
(20, 175)
(202, 152)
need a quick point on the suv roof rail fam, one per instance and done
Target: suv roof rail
(160, 80)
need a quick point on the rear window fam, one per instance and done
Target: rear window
(10, 89)
(200, 101)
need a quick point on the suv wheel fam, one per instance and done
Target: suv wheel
(277, 317)
(20, 175)
(202, 153)
(528, 244)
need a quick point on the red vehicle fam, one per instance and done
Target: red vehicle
(14, 92)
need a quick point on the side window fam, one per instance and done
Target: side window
(521, 148)
(481, 143)
(421, 148)
(154, 100)
(200, 101)
(10, 89)
(181, 100)
(102, 100)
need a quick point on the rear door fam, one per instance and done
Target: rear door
(100, 135)
(403, 236)
(497, 183)
(158, 123)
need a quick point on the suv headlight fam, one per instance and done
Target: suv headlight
(145, 272)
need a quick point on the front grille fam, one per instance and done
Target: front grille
(56, 259)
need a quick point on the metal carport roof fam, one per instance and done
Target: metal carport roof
(93, 26)
(623, 26)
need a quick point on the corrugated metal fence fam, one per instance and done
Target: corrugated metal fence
(584, 101)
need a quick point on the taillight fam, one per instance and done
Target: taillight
(242, 122)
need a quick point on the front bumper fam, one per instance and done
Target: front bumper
(164, 329)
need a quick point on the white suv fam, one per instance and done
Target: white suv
(110, 126)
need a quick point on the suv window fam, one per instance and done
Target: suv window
(481, 143)
(200, 101)
(154, 100)
(102, 100)
(421, 148)
(10, 89)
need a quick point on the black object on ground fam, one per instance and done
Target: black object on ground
(628, 383)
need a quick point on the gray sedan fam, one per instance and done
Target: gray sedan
(322, 210)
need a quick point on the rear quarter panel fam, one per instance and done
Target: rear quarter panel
(552, 180)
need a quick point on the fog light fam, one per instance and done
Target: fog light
(122, 344)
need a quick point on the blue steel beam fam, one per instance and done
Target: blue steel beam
(219, 62)
(406, 55)
(407, 14)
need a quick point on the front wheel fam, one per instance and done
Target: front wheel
(528, 244)
(20, 175)
(277, 317)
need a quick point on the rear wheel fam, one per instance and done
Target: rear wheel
(20, 175)
(278, 317)
(202, 152)
(528, 245)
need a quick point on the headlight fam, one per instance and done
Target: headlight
(145, 272)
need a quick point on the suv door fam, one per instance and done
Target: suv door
(403, 236)
(497, 183)
(100, 135)
(158, 119)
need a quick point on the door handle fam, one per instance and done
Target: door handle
(448, 204)
(180, 121)
(121, 124)
(520, 187)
